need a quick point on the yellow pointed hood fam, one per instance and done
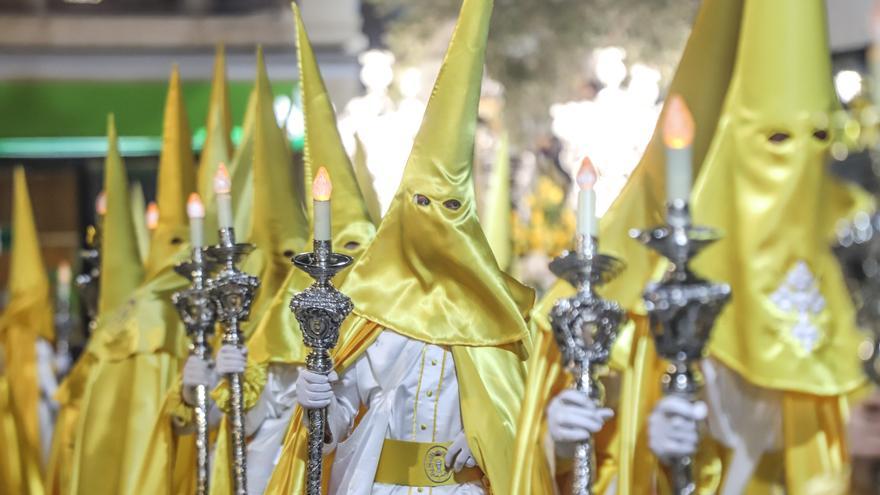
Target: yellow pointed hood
(121, 268)
(28, 282)
(139, 219)
(765, 183)
(430, 273)
(498, 217)
(242, 169)
(323, 148)
(218, 147)
(176, 180)
(279, 222)
(279, 227)
(27, 318)
(365, 180)
(277, 338)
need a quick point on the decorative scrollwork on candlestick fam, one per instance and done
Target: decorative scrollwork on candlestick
(585, 327)
(682, 308)
(320, 311)
(233, 293)
(87, 282)
(199, 314)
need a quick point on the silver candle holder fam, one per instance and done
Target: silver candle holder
(320, 311)
(682, 309)
(585, 327)
(233, 293)
(199, 314)
(88, 282)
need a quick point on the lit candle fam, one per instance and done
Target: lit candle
(678, 134)
(223, 190)
(586, 211)
(321, 190)
(101, 204)
(64, 276)
(195, 210)
(152, 216)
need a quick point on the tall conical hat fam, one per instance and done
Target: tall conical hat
(218, 147)
(176, 180)
(277, 338)
(765, 183)
(430, 274)
(121, 267)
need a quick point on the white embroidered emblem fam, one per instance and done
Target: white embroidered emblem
(799, 294)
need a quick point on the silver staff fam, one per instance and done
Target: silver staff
(585, 327)
(198, 313)
(682, 308)
(320, 311)
(87, 282)
(233, 293)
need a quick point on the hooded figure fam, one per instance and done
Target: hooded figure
(435, 349)
(138, 345)
(786, 345)
(276, 348)
(625, 461)
(26, 335)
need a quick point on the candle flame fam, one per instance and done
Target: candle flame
(587, 176)
(322, 187)
(65, 273)
(678, 124)
(194, 206)
(152, 215)
(101, 203)
(222, 181)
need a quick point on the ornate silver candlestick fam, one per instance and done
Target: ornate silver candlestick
(320, 311)
(198, 313)
(87, 282)
(585, 327)
(233, 293)
(682, 308)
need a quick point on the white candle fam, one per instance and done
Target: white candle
(321, 191)
(152, 216)
(101, 204)
(64, 276)
(223, 190)
(195, 210)
(586, 211)
(678, 134)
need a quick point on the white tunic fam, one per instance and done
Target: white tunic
(411, 392)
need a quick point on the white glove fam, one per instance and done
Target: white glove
(572, 417)
(231, 359)
(196, 372)
(314, 390)
(459, 454)
(673, 429)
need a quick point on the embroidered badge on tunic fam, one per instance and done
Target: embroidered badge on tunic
(799, 295)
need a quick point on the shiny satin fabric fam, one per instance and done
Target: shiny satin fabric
(777, 204)
(121, 264)
(69, 398)
(498, 221)
(175, 182)
(218, 146)
(24, 321)
(702, 78)
(113, 433)
(430, 274)
(278, 338)
(139, 220)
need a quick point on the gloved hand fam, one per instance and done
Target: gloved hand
(231, 359)
(314, 390)
(196, 372)
(459, 454)
(673, 429)
(572, 418)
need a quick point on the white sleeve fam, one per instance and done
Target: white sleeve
(278, 396)
(351, 390)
